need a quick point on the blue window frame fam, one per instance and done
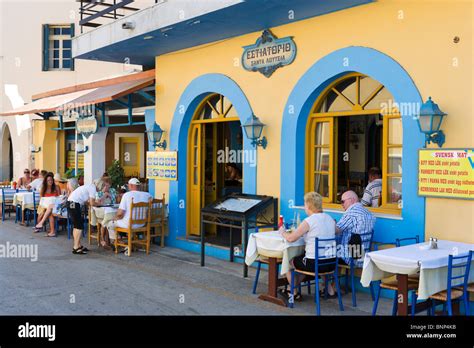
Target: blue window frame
(57, 47)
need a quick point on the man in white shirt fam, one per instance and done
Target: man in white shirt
(37, 180)
(373, 190)
(122, 218)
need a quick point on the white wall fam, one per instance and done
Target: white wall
(21, 62)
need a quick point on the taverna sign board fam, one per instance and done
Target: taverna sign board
(269, 53)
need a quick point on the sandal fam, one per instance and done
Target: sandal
(83, 248)
(50, 235)
(79, 251)
(287, 295)
(37, 230)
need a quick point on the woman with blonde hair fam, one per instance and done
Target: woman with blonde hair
(316, 225)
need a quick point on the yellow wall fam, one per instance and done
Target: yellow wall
(45, 137)
(417, 34)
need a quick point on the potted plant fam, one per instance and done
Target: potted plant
(116, 174)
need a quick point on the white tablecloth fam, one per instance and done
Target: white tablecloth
(103, 215)
(431, 264)
(25, 199)
(272, 244)
(45, 202)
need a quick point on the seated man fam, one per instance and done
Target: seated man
(355, 220)
(374, 188)
(122, 218)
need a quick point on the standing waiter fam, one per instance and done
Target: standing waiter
(76, 201)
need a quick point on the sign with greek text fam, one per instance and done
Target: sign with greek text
(269, 53)
(446, 173)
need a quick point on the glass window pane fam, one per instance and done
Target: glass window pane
(66, 43)
(66, 31)
(195, 176)
(321, 184)
(55, 43)
(56, 54)
(67, 63)
(130, 154)
(56, 63)
(67, 54)
(394, 192)
(395, 131)
(321, 159)
(56, 31)
(395, 160)
(195, 156)
(322, 133)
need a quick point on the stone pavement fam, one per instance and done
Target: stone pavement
(169, 281)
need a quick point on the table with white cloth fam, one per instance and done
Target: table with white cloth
(103, 215)
(24, 199)
(430, 264)
(273, 246)
(45, 203)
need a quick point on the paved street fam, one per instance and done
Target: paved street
(167, 282)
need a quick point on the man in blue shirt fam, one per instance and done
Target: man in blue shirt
(355, 220)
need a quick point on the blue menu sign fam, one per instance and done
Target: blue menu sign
(269, 53)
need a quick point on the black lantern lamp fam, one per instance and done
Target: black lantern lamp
(154, 136)
(253, 130)
(430, 121)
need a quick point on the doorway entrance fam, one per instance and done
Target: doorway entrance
(6, 155)
(215, 146)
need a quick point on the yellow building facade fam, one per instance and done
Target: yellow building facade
(427, 44)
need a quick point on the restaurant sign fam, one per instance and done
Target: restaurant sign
(446, 173)
(87, 125)
(162, 165)
(269, 53)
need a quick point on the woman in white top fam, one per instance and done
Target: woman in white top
(316, 225)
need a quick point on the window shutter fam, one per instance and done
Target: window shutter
(72, 35)
(45, 47)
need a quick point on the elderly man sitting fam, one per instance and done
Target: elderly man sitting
(355, 220)
(122, 218)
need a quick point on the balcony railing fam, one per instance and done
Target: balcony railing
(93, 12)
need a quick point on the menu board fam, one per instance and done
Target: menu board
(446, 173)
(162, 165)
(237, 204)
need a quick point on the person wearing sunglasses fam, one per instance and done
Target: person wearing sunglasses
(25, 180)
(355, 220)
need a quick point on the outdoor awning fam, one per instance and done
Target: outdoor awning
(86, 94)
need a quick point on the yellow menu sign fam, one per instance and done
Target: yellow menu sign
(162, 165)
(446, 173)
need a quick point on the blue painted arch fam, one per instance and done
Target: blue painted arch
(193, 95)
(391, 74)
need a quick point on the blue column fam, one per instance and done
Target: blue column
(149, 121)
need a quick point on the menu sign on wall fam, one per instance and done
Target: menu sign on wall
(162, 165)
(446, 173)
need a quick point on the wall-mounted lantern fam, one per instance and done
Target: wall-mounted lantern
(154, 136)
(253, 128)
(34, 149)
(430, 121)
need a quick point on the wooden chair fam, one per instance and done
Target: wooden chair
(390, 283)
(90, 234)
(139, 215)
(158, 219)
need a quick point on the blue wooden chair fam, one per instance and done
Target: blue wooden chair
(18, 215)
(29, 213)
(7, 201)
(407, 241)
(390, 283)
(456, 286)
(320, 250)
(349, 270)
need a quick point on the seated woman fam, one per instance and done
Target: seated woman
(316, 225)
(105, 195)
(48, 189)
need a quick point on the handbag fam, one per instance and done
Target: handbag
(355, 246)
